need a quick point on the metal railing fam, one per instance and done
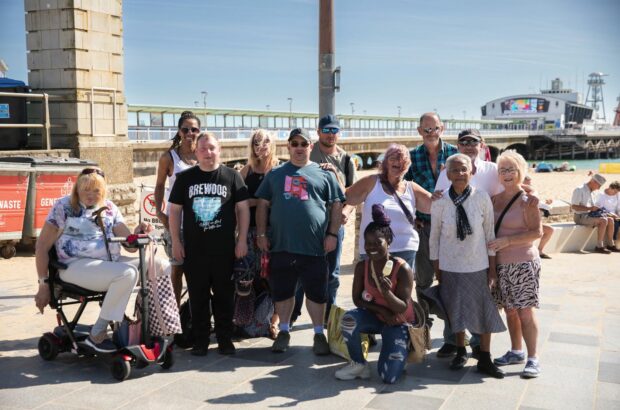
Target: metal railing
(45, 115)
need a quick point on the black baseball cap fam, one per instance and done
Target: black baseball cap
(299, 132)
(329, 121)
(470, 133)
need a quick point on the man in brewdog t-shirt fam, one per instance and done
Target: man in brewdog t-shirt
(211, 196)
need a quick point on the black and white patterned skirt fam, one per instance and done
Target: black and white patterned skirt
(468, 302)
(517, 284)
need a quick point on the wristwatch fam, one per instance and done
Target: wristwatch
(331, 234)
(43, 280)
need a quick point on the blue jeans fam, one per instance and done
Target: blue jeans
(333, 280)
(394, 346)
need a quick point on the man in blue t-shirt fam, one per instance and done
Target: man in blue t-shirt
(303, 229)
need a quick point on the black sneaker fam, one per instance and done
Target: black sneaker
(488, 367)
(458, 362)
(200, 350)
(447, 350)
(320, 347)
(105, 346)
(226, 347)
(280, 345)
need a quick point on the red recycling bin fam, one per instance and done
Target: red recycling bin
(13, 194)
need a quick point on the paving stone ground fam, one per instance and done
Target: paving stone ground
(579, 346)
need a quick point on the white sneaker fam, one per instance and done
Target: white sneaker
(353, 371)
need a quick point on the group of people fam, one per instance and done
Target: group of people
(435, 212)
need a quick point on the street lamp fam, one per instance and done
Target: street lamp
(195, 103)
(267, 106)
(352, 108)
(464, 114)
(399, 107)
(204, 99)
(290, 111)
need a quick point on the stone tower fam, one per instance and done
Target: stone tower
(75, 54)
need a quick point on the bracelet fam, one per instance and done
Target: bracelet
(331, 234)
(43, 280)
(261, 235)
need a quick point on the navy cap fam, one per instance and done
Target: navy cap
(329, 121)
(299, 132)
(470, 133)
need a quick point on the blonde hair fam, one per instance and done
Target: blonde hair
(208, 135)
(86, 182)
(395, 149)
(515, 159)
(272, 159)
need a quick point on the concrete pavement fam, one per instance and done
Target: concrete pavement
(579, 346)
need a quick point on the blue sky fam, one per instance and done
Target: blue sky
(449, 55)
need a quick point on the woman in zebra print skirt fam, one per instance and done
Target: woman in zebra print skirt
(518, 262)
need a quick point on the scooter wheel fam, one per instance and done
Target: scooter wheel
(120, 369)
(168, 361)
(48, 349)
(8, 251)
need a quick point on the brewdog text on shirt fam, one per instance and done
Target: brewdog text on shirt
(207, 189)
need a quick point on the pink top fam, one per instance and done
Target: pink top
(377, 297)
(514, 224)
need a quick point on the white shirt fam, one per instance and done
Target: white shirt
(610, 202)
(471, 254)
(485, 179)
(582, 196)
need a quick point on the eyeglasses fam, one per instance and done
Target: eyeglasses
(431, 130)
(331, 130)
(87, 171)
(504, 171)
(259, 143)
(469, 143)
(194, 130)
(295, 144)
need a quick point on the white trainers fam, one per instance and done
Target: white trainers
(353, 371)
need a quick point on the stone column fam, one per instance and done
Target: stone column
(75, 54)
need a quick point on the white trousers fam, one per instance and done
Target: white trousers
(116, 278)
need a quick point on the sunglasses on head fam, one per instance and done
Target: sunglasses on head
(431, 130)
(87, 171)
(330, 130)
(295, 144)
(185, 130)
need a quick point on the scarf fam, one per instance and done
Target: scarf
(462, 223)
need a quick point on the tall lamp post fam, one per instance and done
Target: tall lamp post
(204, 104)
(352, 108)
(290, 112)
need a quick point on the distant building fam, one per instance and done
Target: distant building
(553, 108)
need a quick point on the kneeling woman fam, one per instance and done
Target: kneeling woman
(382, 293)
(461, 227)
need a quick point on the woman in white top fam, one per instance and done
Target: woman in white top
(180, 156)
(381, 189)
(461, 226)
(610, 200)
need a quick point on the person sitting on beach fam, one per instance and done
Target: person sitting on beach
(461, 227)
(518, 262)
(382, 286)
(609, 200)
(178, 157)
(72, 226)
(588, 214)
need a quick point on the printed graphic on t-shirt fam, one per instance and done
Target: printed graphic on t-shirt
(207, 209)
(296, 187)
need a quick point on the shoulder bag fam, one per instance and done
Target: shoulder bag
(501, 216)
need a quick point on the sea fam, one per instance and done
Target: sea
(587, 164)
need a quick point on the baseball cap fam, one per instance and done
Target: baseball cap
(599, 178)
(329, 121)
(470, 133)
(301, 132)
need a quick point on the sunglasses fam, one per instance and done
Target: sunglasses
(186, 130)
(331, 130)
(469, 143)
(431, 130)
(295, 144)
(87, 171)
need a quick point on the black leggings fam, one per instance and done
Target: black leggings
(209, 280)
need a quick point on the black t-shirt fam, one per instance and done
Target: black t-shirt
(208, 199)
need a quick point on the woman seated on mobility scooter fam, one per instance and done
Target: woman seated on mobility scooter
(80, 244)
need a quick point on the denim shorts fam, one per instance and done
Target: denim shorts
(286, 268)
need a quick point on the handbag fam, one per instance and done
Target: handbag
(337, 344)
(419, 336)
(164, 319)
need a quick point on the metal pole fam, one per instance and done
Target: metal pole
(327, 83)
(46, 107)
(290, 112)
